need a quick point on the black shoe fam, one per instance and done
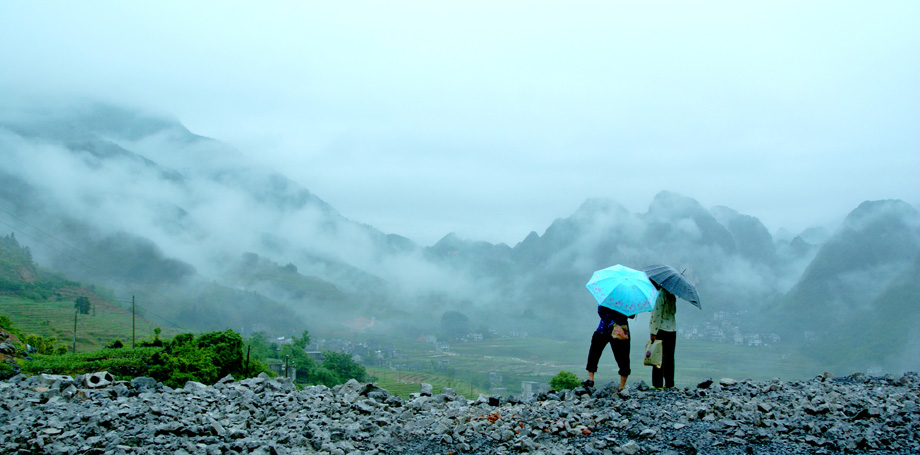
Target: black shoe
(587, 383)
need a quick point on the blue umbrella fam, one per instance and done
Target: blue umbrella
(623, 289)
(674, 281)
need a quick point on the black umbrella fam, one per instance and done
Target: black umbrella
(674, 281)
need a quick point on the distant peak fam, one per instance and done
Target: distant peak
(722, 212)
(600, 205)
(870, 211)
(78, 119)
(449, 239)
(675, 204)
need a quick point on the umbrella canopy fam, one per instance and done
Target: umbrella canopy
(623, 289)
(674, 281)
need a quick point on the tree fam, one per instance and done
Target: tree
(302, 342)
(259, 348)
(155, 342)
(302, 362)
(206, 359)
(320, 375)
(82, 305)
(7, 323)
(455, 324)
(226, 349)
(342, 365)
(44, 345)
(564, 381)
(182, 361)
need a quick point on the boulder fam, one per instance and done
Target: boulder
(98, 380)
(426, 390)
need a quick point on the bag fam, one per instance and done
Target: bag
(653, 353)
(620, 332)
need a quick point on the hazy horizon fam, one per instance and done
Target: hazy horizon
(490, 121)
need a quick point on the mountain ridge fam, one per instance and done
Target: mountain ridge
(204, 206)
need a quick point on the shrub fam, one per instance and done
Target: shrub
(184, 358)
(156, 341)
(123, 363)
(7, 323)
(212, 356)
(7, 370)
(564, 381)
(343, 366)
(41, 345)
(44, 345)
(299, 358)
(227, 351)
(320, 375)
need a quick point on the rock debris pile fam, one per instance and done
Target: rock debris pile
(66, 415)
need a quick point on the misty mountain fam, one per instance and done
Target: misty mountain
(751, 238)
(860, 290)
(136, 202)
(479, 259)
(875, 244)
(719, 254)
(884, 336)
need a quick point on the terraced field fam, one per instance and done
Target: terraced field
(465, 367)
(101, 326)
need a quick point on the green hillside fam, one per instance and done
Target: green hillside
(42, 302)
(55, 317)
(285, 282)
(20, 276)
(169, 293)
(885, 337)
(15, 262)
(855, 306)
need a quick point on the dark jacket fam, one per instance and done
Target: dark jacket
(609, 318)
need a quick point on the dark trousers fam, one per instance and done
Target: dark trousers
(665, 374)
(620, 350)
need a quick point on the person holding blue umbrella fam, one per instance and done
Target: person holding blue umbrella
(621, 293)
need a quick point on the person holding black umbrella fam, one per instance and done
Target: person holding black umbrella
(671, 284)
(663, 326)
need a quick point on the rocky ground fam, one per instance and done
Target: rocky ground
(90, 415)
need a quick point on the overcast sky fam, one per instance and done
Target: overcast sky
(491, 119)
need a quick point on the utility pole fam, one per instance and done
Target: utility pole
(80, 305)
(132, 322)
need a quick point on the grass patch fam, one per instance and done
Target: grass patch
(404, 383)
(697, 360)
(540, 359)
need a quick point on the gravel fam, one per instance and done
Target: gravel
(824, 415)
